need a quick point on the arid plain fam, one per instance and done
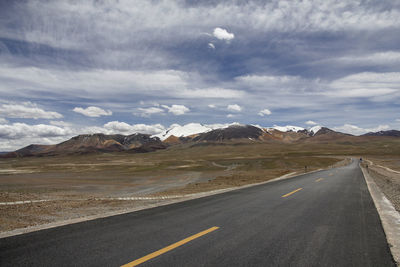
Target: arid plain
(73, 186)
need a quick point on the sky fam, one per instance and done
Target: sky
(76, 67)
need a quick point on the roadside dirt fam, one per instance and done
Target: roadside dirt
(388, 182)
(21, 216)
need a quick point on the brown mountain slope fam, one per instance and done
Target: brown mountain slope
(88, 143)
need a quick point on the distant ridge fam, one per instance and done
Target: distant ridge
(191, 133)
(394, 133)
(229, 133)
(89, 143)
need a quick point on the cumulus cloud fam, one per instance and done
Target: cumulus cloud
(234, 107)
(27, 110)
(230, 115)
(22, 130)
(147, 112)
(92, 111)
(356, 130)
(2, 120)
(125, 128)
(223, 34)
(311, 123)
(264, 112)
(176, 109)
(212, 106)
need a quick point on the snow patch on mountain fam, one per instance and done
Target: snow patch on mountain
(190, 129)
(288, 128)
(314, 130)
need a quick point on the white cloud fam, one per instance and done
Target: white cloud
(100, 84)
(27, 110)
(356, 130)
(214, 92)
(105, 21)
(230, 116)
(365, 84)
(212, 106)
(92, 111)
(22, 130)
(61, 123)
(114, 127)
(234, 107)
(3, 121)
(285, 83)
(223, 34)
(177, 109)
(264, 112)
(311, 123)
(147, 112)
(398, 120)
(211, 45)
(381, 58)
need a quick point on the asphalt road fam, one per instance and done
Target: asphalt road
(331, 221)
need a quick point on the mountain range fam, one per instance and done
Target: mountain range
(189, 133)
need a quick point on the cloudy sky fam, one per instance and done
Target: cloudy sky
(71, 67)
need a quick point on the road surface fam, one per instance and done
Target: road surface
(325, 218)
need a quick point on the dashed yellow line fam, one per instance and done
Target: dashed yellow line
(319, 180)
(170, 247)
(294, 191)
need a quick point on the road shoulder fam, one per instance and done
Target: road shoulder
(390, 218)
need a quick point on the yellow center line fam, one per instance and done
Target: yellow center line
(319, 180)
(294, 191)
(170, 247)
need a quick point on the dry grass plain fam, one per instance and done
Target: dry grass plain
(77, 181)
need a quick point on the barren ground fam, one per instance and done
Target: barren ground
(388, 181)
(75, 183)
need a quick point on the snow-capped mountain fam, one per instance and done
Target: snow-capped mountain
(314, 130)
(288, 128)
(190, 129)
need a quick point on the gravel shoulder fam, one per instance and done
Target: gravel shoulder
(388, 181)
